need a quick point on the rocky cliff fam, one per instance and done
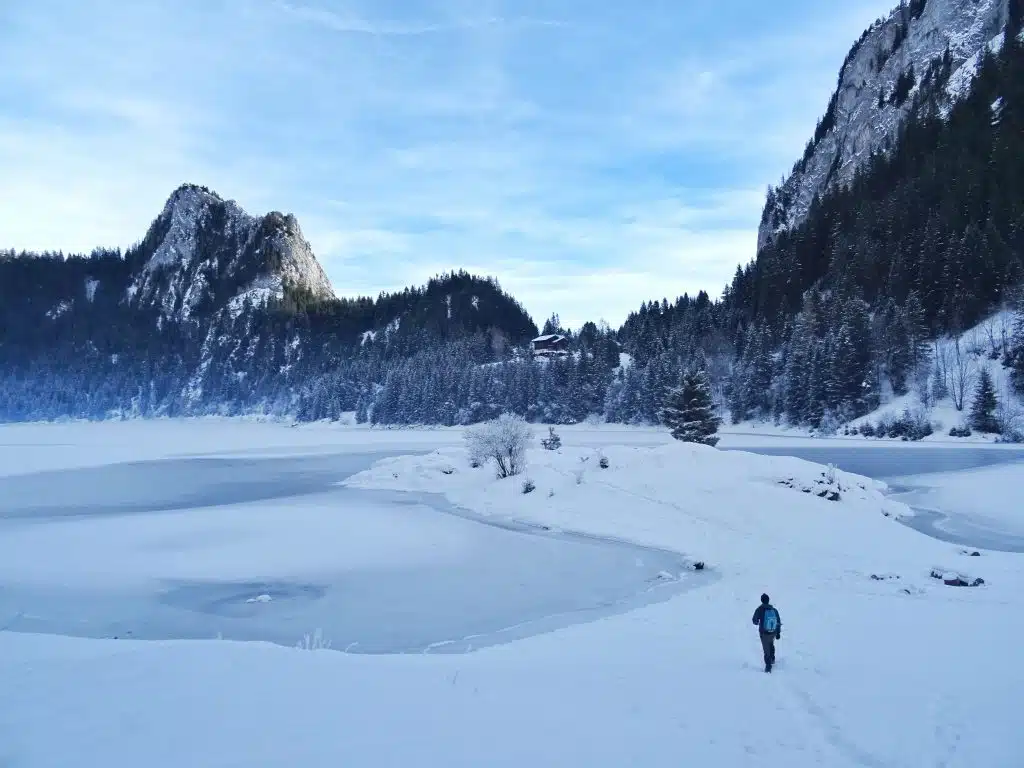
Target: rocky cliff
(203, 254)
(923, 55)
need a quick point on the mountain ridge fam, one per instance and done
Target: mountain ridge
(203, 252)
(920, 44)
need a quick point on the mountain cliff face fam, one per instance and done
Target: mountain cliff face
(924, 55)
(203, 253)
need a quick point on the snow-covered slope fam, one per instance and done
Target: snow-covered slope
(203, 252)
(872, 100)
(959, 362)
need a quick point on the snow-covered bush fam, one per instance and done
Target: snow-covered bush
(830, 422)
(603, 462)
(912, 424)
(1010, 417)
(504, 440)
(529, 486)
(960, 432)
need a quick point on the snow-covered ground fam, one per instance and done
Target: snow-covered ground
(880, 664)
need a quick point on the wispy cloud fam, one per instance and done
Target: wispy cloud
(588, 156)
(352, 24)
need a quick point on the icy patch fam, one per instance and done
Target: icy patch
(90, 289)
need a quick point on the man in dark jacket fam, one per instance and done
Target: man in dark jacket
(769, 625)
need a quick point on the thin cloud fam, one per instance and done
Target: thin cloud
(348, 24)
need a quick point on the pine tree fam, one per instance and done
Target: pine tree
(916, 328)
(1017, 351)
(689, 409)
(362, 411)
(552, 326)
(796, 377)
(983, 411)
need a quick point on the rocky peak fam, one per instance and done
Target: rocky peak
(203, 254)
(923, 45)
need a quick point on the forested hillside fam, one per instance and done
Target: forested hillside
(925, 241)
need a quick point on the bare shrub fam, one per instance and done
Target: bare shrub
(959, 369)
(504, 441)
(1010, 417)
(314, 642)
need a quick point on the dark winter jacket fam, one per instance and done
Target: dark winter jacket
(759, 617)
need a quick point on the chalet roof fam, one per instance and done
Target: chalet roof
(550, 337)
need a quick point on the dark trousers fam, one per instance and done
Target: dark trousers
(768, 645)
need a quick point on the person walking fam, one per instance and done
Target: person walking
(769, 625)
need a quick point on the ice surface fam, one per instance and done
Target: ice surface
(886, 462)
(977, 508)
(271, 548)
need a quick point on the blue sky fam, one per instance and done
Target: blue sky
(589, 154)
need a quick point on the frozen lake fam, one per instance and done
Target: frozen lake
(271, 548)
(966, 496)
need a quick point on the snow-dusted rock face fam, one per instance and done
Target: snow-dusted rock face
(204, 253)
(872, 100)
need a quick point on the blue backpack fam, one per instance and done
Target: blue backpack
(770, 621)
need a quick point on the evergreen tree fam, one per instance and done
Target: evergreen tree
(983, 410)
(553, 325)
(797, 373)
(940, 384)
(689, 410)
